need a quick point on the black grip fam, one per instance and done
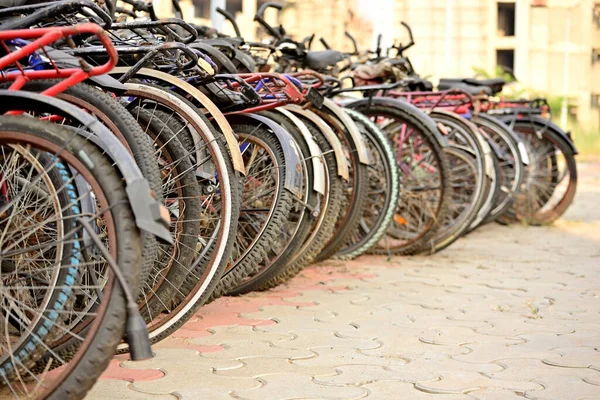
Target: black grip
(410, 34)
(349, 36)
(261, 11)
(228, 16)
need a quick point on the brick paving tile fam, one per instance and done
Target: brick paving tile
(508, 312)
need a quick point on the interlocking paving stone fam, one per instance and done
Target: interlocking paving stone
(576, 357)
(188, 374)
(468, 381)
(504, 313)
(562, 386)
(296, 386)
(406, 391)
(494, 394)
(120, 390)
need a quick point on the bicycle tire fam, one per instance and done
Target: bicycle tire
(499, 131)
(355, 191)
(324, 227)
(419, 122)
(246, 262)
(91, 357)
(379, 143)
(280, 257)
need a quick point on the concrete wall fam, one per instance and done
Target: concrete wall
(452, 44)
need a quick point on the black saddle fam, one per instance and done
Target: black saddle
(475, 86)
(320, 60)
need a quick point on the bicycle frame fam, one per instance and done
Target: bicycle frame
(45, 37)
(275, 90)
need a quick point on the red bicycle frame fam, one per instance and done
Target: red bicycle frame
(45, 37)
(275, 90)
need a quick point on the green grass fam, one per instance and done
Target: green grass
(587, 142)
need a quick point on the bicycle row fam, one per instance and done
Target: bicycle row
(149, 166)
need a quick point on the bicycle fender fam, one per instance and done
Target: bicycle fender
(205, 102)
(315, 151)
(541, 124)
(332, 139)
(146, 209)
(361, 148)
(402, 106)
(520, 145)
(293, 174)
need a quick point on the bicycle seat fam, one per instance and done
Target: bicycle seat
(495, 85)
(320, 60)
(418, 84)
(446, 84)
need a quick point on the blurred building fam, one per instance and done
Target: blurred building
(529, 36)
(325, 18)
(454, 37)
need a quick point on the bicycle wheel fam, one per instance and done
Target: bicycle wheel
(510, 163)
(355, 189)
(424, 176)
(53, 244)
(194, 283)
(321, 228)
(298, 225)
(466, 198)
(266, 204)
(115, 117)
(384, 190)
(470, 208)
(551, 179)
(183, 200)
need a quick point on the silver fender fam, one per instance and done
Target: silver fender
(315, 151)
(196, 123)
(361, 148)
(334, 141)
(146, 209)
(213, 110)
(293, 173)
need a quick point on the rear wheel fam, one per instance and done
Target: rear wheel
(355, 189)
(510, 165)
(298, 225)
(551, 180)
(266, 204)
(208, 169)
(424, 177)
(467, 196)
(471, 164)
(384, 190)
(92, 326)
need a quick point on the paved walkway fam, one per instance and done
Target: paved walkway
(506, 313)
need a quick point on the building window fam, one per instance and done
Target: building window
(233, 6)
(595, 103)
(506, 58)
(202, 9)
(506, 19)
